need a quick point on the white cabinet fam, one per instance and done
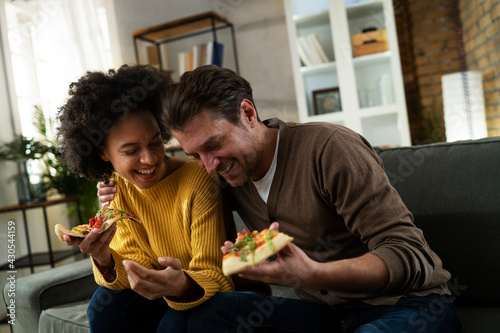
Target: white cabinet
(362, 92)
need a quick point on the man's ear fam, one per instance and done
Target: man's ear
(248, 112)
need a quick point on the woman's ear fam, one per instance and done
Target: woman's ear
(103, 153)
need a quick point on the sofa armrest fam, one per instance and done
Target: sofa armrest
(36, 292)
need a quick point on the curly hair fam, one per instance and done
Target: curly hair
(97, 101)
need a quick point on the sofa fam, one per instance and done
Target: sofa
(453, 190)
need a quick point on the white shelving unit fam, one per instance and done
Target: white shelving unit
(370, 87)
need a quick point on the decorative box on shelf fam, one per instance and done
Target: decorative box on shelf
(368, 42)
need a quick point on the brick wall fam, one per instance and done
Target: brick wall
(481, 36)
(428, 46)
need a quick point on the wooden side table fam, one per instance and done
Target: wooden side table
(50, 257)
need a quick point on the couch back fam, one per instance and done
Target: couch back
(453, 191)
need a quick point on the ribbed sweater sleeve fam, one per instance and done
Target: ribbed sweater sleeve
(181, 218)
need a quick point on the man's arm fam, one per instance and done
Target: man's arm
(106, 192)
(293, 268)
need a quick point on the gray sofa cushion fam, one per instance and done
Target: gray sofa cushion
(70, 317)
(479, 319)
(453, 191)
(62, 285)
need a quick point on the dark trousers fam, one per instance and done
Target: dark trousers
(124, 311)
(244, 312)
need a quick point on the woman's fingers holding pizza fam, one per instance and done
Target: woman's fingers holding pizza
(107, 236)
(70, 241)
(96, 244)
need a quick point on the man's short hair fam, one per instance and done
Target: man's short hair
(212, 88)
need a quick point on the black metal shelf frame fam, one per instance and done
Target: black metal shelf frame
(217, 23)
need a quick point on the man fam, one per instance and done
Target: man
(355, 246)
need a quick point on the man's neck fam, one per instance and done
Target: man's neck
(268, 140)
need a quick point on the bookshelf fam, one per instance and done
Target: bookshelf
(152, 44)
(359, 83)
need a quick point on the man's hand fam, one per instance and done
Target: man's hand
(95, 245)
(293, 267)
(106, 192)
(228, 244)
(153, 284)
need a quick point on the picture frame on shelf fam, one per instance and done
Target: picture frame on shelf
(327, 100)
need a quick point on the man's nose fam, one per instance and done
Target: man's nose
(210, 163)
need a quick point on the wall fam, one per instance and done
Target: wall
(261, 37)
(481, 33)
(428, 43)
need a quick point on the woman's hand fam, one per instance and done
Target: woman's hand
(169, 282)
(106, 192)
(95, 245)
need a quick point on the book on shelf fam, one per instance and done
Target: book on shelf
(214, 54)
(310, 50)
(202, 54)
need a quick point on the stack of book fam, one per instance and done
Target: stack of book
(202, 54)
(311, 51)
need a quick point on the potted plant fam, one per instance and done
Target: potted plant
(42, 159)
(57, 177)
(29, 179)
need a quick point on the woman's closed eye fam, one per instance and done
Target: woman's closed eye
(130, 152)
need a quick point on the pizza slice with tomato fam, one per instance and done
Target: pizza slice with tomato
(252, 248)
(103, 220)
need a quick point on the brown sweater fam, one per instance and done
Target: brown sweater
(331, 193)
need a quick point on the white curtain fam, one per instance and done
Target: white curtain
(67, 38)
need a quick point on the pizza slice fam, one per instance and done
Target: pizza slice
(253, 248)
(104, 219)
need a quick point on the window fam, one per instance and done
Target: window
(51, 43)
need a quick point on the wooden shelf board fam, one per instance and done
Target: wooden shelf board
(37, 204)
(371, 59)
(379, 110)
(320, 68)
(320, 18)
(183, 26)
(363, 7)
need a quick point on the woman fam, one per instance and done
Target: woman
(112, 127)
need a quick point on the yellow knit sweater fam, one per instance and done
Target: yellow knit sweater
(181, 218)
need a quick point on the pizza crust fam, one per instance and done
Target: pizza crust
(233, 264)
